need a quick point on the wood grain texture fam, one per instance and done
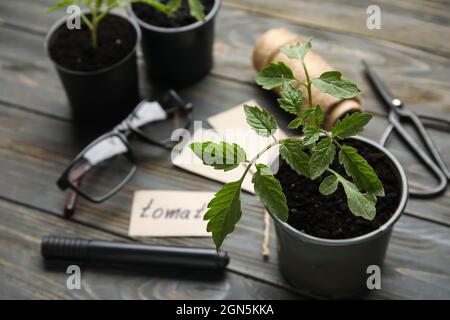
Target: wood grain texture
(25, 275)
(428, 19)
(37, 141)
(212, 95)
(34, 157)
(420, 24)
(417, 77)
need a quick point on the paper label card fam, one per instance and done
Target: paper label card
(229, 126)
(233, 127)
(187, 160)
(169, 214)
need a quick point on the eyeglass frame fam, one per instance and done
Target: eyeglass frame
(122, 131)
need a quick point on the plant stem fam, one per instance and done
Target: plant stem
(86, 21)
(329, 135)
(94, 24)
(94, 34)
(333, 172)
(259, 154)
(308, 84)
(95, 20)
(104, 13)
(337, 143)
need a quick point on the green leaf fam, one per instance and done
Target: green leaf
(351, 124)
(297, 51)
(312, 119)
(62, 4)
(364, 177)
(224, 211)
(361, 205)
(311, 134)
(291, 98)
(329, 185)
(121, 3)
(268, 189)
(330, 82)
(273, 75)
(173, 5)
(294, 124)
(166, 9)
(196, 9)
(322, 157)
(222, 156)
(291, 151)
(370, 197)
(260, 120)
(307, 114)
(319, 116)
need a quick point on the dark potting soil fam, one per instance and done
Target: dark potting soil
(72, 49)
(182, 17)
(328, 216)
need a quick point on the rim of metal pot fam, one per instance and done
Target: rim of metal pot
(385, 227)
(189, 27)
(58, 23)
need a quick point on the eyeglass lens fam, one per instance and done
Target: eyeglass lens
(102, 167)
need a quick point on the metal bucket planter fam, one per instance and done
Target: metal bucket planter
(177, 57)
(336, 268)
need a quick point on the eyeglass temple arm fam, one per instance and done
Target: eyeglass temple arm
(185, 107)
(71, 201)
(72, 196)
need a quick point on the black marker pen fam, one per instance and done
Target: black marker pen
(58, 248)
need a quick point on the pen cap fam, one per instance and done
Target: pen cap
(267, 51)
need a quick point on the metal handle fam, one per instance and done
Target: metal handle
(436, 170)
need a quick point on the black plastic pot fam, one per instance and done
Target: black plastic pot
(102, 97)
(336, 268)
(177, 57)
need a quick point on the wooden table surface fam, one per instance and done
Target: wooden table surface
(37, 140)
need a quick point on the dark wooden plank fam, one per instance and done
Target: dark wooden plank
(156, 172)
(421, 24)
(405, 273)
(24, 275)
(35, 149)
(203, 94)
(420, 79)
(428, 19)
(41, 139)
(213, 95)
(32, 17)
(417, 77)
(31, 96)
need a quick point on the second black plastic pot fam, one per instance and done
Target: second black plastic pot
(100, 98)
(178, 57)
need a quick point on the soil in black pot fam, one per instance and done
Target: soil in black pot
(72, 49)
(182, 17)
(328, 216)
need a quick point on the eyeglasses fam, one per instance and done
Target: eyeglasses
(102, 168)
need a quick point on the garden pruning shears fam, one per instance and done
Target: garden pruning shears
(432, 160)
